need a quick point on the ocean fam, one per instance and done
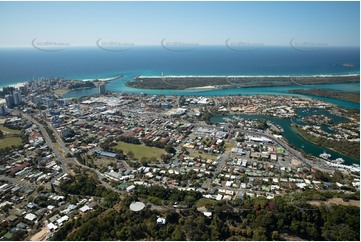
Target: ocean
(21, 65)
(26, 64)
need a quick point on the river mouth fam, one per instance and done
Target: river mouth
(120, 86)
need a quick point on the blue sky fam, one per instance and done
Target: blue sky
(205, 23)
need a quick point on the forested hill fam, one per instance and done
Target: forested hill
(250, 219)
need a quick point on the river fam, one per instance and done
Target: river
(291, 135)
(120, 86)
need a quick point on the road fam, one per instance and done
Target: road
(48, 141)
(62, 150)
(16, 181)
(292, 151)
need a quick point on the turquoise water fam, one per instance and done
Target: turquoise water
(22, 64)
(25, 64)
(119, 86)
(294, 139)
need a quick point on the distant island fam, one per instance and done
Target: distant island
(187, 82)
(346, 96)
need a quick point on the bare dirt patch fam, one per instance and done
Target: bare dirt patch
(336, 201)
(41, 235)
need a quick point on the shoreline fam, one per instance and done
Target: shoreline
(328, 94)
(249, 76)
(101, 79)
(22, 83)
(336, 151)
(15, 85)
(224, 82)
(203, 88)
(233, 91)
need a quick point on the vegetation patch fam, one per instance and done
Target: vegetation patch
(205, 202)
(9, 142)
(225, 82)
(139, 151)
(203, 155)
(9, 131)
(346, 96)
(258, 219)
(228, 146)
(348, 148)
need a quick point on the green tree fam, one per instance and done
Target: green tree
(130, 154)
(275, 235)
(178, 234)
(259, 234)
(170, 149)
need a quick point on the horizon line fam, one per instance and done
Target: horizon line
(198, 46)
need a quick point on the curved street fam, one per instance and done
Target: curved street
(62, 150)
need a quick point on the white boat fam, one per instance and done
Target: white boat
(227, 119)
(325, 156)
(338, 161)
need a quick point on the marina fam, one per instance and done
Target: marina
(293, 138)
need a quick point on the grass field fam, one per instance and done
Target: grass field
(9, 131)
(205, 201)
(140, 150)
(8, 142)
(229, 146)
(204, 156)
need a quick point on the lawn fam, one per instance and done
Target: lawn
(229, 146)
(140, 150)
(8, 142)
(9, 131)
(205, 201)
(204, 156)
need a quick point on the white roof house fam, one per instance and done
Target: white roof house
(52, 227)
(30, 217)
(61, 220)
(208, 214)
(130, 188)
(161, 221)
(84, 209)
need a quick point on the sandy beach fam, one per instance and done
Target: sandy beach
(244, 76)
(17, 85)
(202, 88)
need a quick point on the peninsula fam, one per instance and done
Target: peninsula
(184, 82)
(346, 96)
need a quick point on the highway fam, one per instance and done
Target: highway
(60, 152)
(48, 141)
